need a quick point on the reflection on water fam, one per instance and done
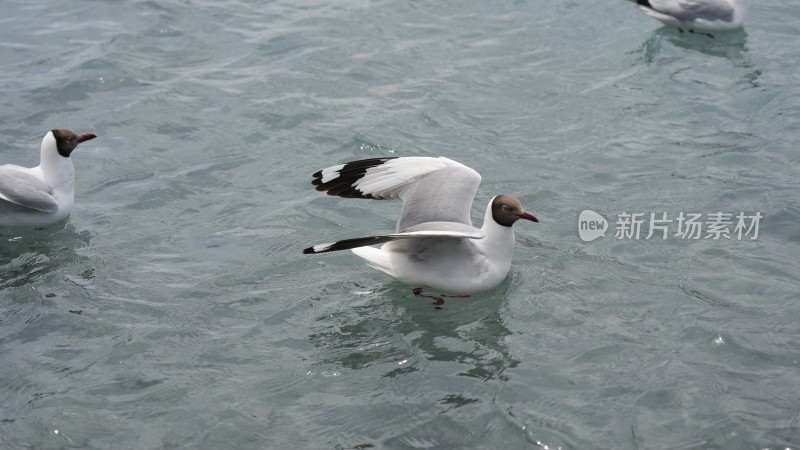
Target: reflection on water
(730, 45)
(26, 255)
(469, 332)
(406, 344)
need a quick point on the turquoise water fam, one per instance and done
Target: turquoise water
(174, 308)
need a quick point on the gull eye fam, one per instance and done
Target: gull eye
(505, 208)
(69, 140)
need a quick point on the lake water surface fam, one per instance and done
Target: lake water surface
(174, 309)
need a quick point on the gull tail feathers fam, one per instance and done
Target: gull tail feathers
(375, 258)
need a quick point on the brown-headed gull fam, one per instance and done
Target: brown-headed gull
(703, 16)
(44, 194)
(435, 243)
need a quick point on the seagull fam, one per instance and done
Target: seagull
(702, 16)
(435, 244)
(41, 195)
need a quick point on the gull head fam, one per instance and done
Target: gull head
(66, 140)
(507, 209)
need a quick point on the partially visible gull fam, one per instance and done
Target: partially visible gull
(44, 194)
(702, 16)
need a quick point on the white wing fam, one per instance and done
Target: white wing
(26, 190)
(432, 189)
(423, 230)
(690, 10)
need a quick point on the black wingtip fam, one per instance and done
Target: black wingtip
(348, 244)
(342, 185)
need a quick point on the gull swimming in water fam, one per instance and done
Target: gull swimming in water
(702, 16)
(434, 243)
(41, 195)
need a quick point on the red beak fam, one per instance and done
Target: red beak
(530, 217)
(86, 137)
